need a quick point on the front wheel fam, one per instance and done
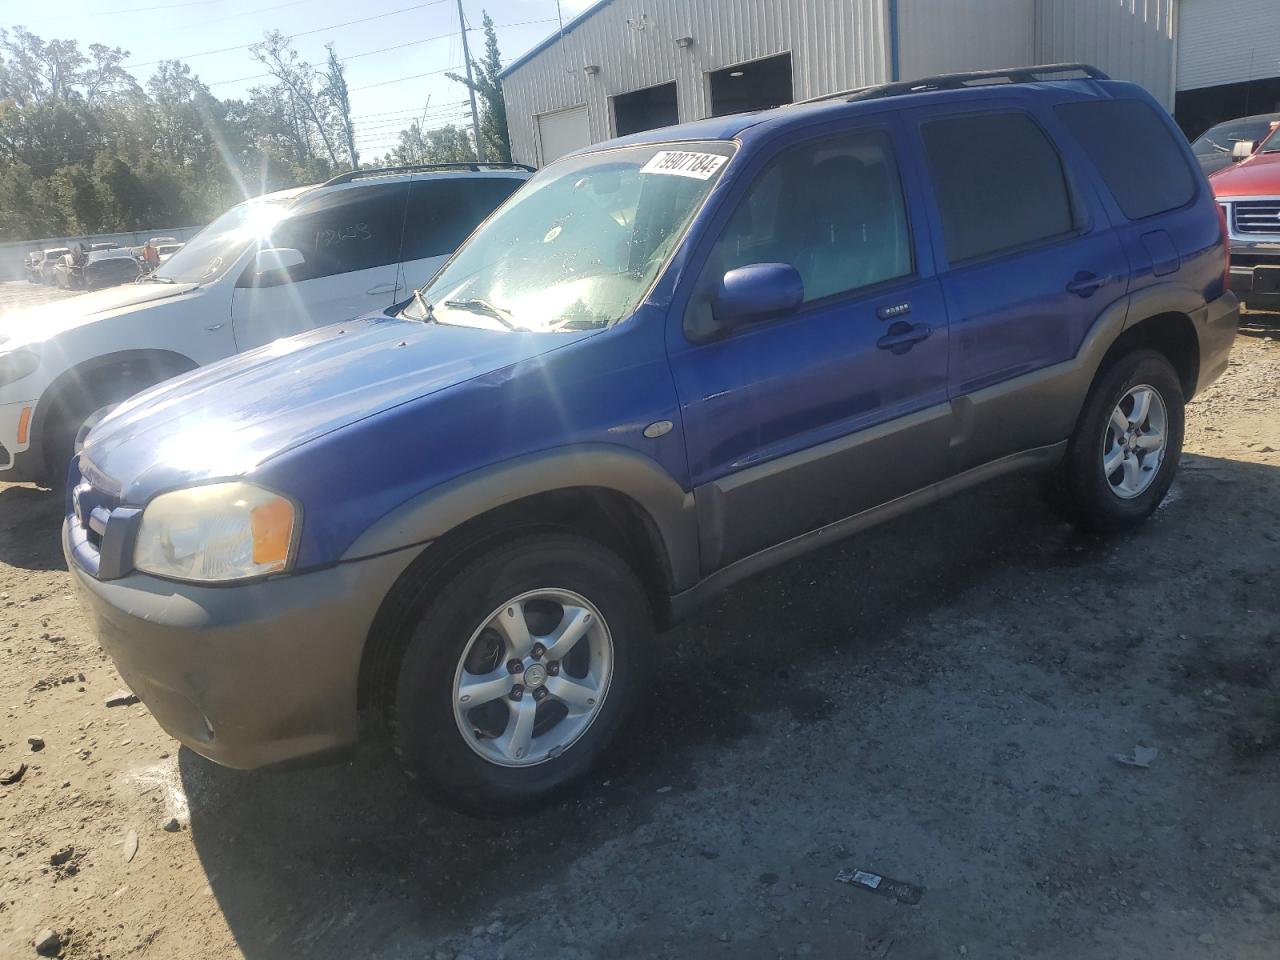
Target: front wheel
(1123, 456)
(521, 672)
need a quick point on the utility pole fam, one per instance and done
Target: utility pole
(466, 59)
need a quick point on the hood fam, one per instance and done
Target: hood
(223, 420)
(32, 325)
(1259, 176)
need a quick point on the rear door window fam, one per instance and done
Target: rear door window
(1135, 153)
(353, 229)
(444, 210)
(999, 183)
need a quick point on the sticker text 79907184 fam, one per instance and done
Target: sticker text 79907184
(685, 163)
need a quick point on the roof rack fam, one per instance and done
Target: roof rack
(976, 78)
(474, 167)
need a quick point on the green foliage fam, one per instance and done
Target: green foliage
(85, 149)
(448, 144)
(488, 87)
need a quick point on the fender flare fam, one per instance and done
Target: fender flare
(432, 514)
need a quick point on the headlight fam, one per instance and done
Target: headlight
(215, 533)
(17, 364)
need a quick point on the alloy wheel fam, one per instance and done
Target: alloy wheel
(533, 677)
(1133, 442)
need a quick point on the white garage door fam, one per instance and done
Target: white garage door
(563, 132)
(1227, 41)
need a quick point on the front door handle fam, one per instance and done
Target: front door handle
(381, 288)
(1084, 284)
(902, 336)
(215, 326)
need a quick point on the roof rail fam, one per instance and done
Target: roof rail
(475, 167)
(976, 78)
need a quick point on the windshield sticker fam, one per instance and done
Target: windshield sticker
(683, 163)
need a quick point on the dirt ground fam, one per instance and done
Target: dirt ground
(939, 701)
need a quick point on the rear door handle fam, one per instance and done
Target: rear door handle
(381, 288)
(215, 326)
(1083, 284)
(902, 336)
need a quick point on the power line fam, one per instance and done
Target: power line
(112, 13)
(416, 76)
(292, 36)
(370, 53)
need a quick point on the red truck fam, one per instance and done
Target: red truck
(1249, 192)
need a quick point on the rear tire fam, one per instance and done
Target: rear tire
(1124, 453)
(489, 717)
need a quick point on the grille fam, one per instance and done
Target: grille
(93, 509)
(1256, 216)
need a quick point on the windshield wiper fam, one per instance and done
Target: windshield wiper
(152, 278)
(477, 305)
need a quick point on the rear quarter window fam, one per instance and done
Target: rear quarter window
(1135, 153)
(998, 182)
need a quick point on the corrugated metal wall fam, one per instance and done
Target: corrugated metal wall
(1227, 41)
(834, 44)
(1129, 39)
(951, 36)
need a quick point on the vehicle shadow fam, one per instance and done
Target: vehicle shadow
(350, 860)
(30, 520)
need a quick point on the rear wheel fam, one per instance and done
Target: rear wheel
(1123, 456)
(520, 673)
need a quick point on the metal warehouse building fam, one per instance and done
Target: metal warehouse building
(630, 65)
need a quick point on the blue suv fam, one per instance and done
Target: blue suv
(666, 363)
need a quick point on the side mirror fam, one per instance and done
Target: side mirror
(754, 293)
(1241, 150)
(281, 259)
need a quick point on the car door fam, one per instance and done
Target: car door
(443, 211)
(842, 405)
(350, 243)
(1031, 262)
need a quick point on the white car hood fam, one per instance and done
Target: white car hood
(35, 324)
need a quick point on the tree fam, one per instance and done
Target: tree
(337, 92)
(488, 87)
(448, 144)
(276, 53)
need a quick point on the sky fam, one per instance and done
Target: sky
(389, 89)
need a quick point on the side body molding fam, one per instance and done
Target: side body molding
(655, 492)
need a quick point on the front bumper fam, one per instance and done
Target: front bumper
(1255, 272)
(14, 462)
(248, 675)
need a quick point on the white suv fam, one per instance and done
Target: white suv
(270, 267)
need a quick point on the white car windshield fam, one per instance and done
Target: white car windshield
(579, 244)
(212, 251)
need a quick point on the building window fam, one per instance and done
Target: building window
(645, 109)
(757, 85)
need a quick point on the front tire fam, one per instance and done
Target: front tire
(1124, 453)
(520, 673)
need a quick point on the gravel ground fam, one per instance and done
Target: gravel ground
(939, 701)
(15, 294)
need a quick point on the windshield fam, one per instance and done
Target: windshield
(1272, 143)
(579, 244)
(1221, 138)
(212, 251)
